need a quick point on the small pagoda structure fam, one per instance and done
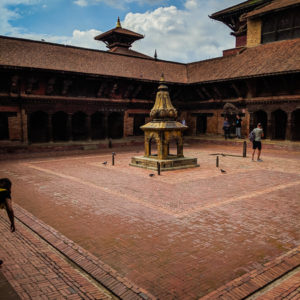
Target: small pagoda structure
(119, 40)
(161, 132)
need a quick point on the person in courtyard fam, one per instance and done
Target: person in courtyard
(183, 122)
(6, 203)
(226, 128)
(258, 132)
(238, 125)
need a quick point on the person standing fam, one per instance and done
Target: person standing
(226, 128)
(238, 125)
(259, 133)
(5, 202)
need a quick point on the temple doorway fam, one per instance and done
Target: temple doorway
(38, 124)
(279, 120)
(296, 125)
(138, 121)
(4, 133)
(115, 125)
(201, 125)
(98, 126)
(79, 128)
(261, 116)
(59, 126)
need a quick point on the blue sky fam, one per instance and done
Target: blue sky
(180, 30)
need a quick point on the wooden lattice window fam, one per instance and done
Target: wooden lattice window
(281, 26)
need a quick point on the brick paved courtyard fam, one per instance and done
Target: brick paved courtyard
(179, 235)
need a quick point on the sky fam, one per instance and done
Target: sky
(179, 30)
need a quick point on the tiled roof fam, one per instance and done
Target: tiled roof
(238, 8)
(265, 59)
(276, 5)
(40, 55)
(119, 30)
(126, 51)
(276, 57)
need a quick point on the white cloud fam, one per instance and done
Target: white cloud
(119, 3)
(184, 35)
(81, 2)
(8, 15)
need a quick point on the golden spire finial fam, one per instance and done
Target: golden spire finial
(162, 78)
(118, 23)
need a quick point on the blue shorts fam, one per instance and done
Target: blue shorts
(257, 145)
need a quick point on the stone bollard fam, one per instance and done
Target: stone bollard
(245, 149)
(113, 158)
(158, 168)
(217, 161)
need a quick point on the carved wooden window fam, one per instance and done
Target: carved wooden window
(281, 26)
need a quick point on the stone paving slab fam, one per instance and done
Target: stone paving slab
(180, 235)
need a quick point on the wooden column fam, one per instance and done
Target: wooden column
(89, 127)
(288, 132)
(269, 133)
(69, 127)
(50, 128)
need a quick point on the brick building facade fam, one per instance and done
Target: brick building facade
(51, 92)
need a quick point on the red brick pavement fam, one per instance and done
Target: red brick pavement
(36, 271)
(180, 235)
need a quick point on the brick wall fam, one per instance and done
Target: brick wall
(254, 32)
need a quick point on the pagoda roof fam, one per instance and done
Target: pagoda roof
(274, 6)
(121, 31)
(238, 9)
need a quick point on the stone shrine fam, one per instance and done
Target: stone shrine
(160, 134)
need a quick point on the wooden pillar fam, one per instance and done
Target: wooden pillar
(106, 124)
(50, 128)
(89, 127)
(288, 130)
(28, 128)
(269, 133)
(69, 127)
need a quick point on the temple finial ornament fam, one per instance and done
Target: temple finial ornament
(155, 54)
(162, 77)
(118, 23)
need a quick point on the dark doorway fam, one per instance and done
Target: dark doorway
(201, 124)
(261, 116)
(4, 133)
(296, 125)
(138, 121)
(115, 125)
(79, 128)
(59, 126)
(98, 126)
(279, 119)
(38, 124)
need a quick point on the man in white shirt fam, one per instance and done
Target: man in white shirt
(259, 133)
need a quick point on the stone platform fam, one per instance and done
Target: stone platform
(165, 164)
